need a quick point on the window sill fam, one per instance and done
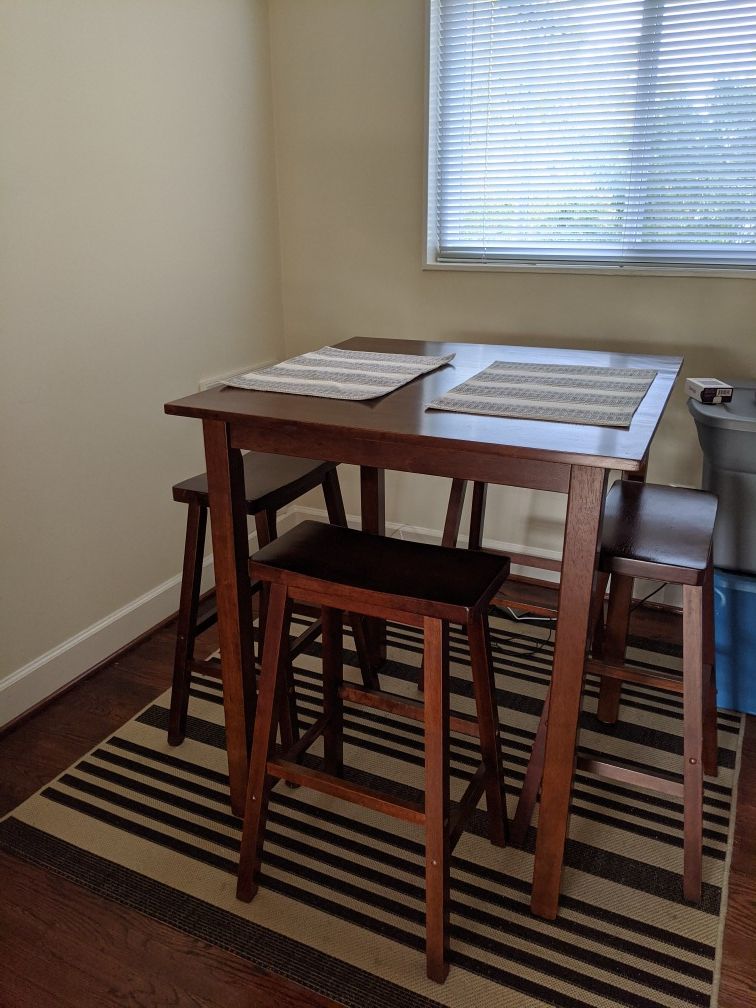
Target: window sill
(592, 269)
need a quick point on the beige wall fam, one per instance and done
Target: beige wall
(349, 108)
(139, 254)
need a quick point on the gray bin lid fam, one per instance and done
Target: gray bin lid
(740, 414)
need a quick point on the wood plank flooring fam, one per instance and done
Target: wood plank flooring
(62, 946)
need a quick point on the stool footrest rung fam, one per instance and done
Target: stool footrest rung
(303, 640)
(205, 621)
(413, 812)
(628, 673)
(628, 775)
(406, 707)
(466, 806)
(303, 743)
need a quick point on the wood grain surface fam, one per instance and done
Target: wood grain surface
(401, 434)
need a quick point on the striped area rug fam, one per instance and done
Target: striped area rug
(340, 908)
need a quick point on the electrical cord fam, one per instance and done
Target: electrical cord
(651, 595)
(529, 619)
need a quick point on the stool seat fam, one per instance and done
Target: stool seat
(270, 481)
(429, 580)
(658, 532)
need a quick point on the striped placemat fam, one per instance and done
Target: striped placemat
(565, 393)
(331, 373)
(341, 905)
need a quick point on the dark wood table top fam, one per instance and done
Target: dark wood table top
(401, 420)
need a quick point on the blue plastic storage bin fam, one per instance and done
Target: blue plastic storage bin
(735, 632)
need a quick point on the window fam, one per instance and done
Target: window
(593, 133)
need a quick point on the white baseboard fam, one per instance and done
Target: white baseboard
(53, 671)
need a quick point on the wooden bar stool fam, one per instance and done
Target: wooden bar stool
(453, 521)
(663, 534)
(450, 537)
(271, 482)
(343, 570)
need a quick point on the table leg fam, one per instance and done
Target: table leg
(373, 504)
(581, 537)
(228, 520)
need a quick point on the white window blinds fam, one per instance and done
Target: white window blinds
(620, 132)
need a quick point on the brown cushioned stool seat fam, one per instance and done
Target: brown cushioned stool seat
(426, 578)
(341, 570)
(664, 534)
(271, 482)
(658, 532)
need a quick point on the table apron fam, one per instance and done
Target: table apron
(432, 460)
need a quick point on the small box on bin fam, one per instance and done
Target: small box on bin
(735, 637)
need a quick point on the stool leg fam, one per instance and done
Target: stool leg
(265, 526)
(288, 717)
(449, 538)
(373, 514)
(194, 545)
(258, 788)
(488, 726)
(596, 616)
(710, 744)
(692, 740)
(337, 516)
(615, 643)
(333, 705)
(532, 783)
(436, 635)
(267, 531)
(334, 502)
(477, 515)
(360, 633)
(454, 512)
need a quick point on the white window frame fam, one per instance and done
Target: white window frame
(429, 261)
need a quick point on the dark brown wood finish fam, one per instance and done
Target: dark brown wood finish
(373, 504)
(614, 639)
(186, 628)
(477, 515)
(66, 948)
(581, 536)
(638, 515)
(271, 482)
(69, 947)
(397, 432)
(454, 512)
(437, 584)
(437, 846)
(658, 532)
(399, 429)
(225, 477)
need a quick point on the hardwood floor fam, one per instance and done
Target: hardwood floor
(62, 946)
